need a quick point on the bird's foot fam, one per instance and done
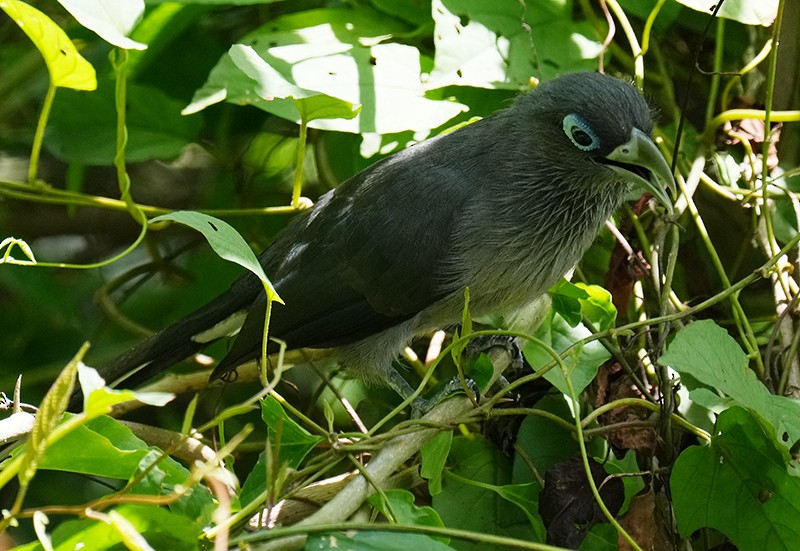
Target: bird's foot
(454, 387)
(511, 344)
(420, 406)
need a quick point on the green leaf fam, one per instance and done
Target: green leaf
(739, 485)
(598, 308)
(705, 351)
(67, 68)
(295, 441)
(99, 399)
(433, 457)
(225, 241)
(159, 475)
(601, 537)
(52, 408)
(466, 318)
(542, 442)
(270, 154)
(112, 20)
(213, 2)
(106, 448)
(475, 466)
(576, 301)
(417, 12)
(400, 506)
(566, 299)
(484, 52)
(627, 464)
(374, 541)
(273, 88)
(496, 44)
(334, 53)
(256, 481)
(321, 106)
(784, 220)
(131, 537)
(526, 497)
(160, 528)
(101, 447)
(582, 362)
(749, 12)
(466, 329)
(480, 370)
(83, 130)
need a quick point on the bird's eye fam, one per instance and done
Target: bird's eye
(580, 133)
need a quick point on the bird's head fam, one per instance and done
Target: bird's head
(597, 122)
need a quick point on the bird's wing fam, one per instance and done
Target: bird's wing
(368, 256)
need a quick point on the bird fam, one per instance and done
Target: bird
(504, 207)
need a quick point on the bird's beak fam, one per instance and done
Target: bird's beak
(640, 151)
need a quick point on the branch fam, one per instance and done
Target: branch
(390, 459)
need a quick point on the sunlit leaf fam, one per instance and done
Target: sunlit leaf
(52, 408)
(710, 355)
(336, 53)
(749, 12)
(502, 44)
(159, 527)
(67, 68)
(98, 399)
(582, 362)
(273, 88)
(112, 20)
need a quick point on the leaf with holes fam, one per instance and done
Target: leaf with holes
(67, 68)
(501, 44)
(749, 12)
(225, 241)
(707, 353)
(741, 484)
(331, 58)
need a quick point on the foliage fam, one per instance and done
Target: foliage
(670, 363)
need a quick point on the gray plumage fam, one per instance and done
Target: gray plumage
(504, 206)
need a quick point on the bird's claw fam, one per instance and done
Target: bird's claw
(454, 386)
(511, 344)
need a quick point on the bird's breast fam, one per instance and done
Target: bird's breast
(517, 255)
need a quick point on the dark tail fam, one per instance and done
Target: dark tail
(177, 342)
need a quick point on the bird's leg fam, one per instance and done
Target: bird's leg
(420, 406)
(453, 387)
